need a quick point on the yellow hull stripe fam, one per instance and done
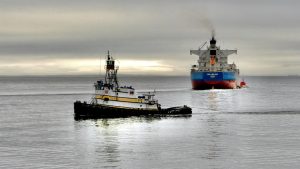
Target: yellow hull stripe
(123, 107)
(120, 99)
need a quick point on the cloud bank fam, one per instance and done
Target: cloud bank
(50, 37)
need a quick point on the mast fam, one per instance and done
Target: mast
(111, 79)
(212, 46)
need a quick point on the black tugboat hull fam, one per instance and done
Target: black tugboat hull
(94, 111)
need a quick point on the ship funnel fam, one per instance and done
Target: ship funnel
(213, 42)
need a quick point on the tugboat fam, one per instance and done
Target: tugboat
(112, 100)
(213, 70)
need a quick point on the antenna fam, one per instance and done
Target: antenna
(108, 56)
(202, 45)
(100, 65)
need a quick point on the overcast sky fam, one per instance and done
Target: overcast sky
(43, 37)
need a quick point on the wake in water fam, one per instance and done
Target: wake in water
(45, 94)
(89, 93)
(200, 111)
(277, 112)
(164, 90)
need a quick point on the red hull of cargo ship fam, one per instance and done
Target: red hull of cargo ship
(203, 85)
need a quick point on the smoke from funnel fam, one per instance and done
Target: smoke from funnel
(198, 19)
(213, 33)
(208, 25)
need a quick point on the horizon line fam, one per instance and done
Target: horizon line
(124, 75)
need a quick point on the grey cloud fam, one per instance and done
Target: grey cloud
(161, 30)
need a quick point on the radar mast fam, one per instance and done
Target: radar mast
(111, 79)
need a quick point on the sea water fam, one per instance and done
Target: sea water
(255, 127)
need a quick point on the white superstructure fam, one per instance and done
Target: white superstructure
(214, 59)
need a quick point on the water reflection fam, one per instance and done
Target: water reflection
(107, 141)
(107, 122)
(209, 104)
(212, 100)
(215, 100)
(98, 148)
(108, 150)
(214, 134)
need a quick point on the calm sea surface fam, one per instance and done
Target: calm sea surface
(256, 127)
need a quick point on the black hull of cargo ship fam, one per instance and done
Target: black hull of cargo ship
(95, 111)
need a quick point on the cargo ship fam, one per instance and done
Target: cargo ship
(213, 70)
(112, 100)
